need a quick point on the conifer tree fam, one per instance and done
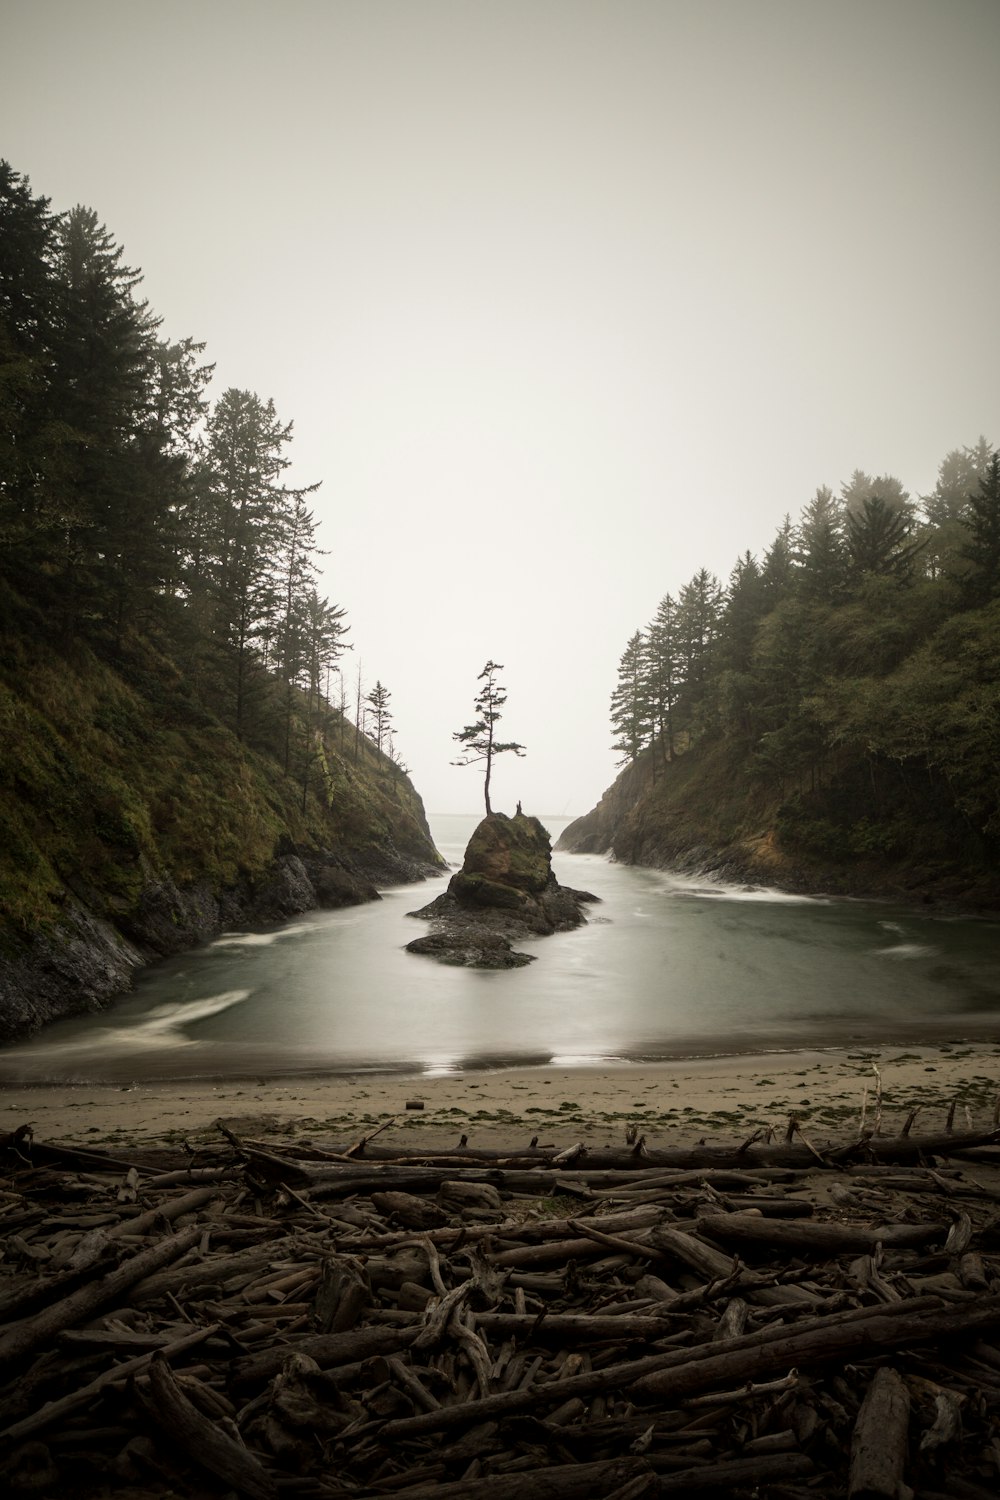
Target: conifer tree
(981, 552)
(879, 539)
(663, 672)
(378, 701)
(631, 703)
(478, 739)
(820, 550)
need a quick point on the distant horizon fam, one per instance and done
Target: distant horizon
(481, 813)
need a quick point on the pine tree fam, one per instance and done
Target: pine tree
(254, 539)
(631, 703)
(663, 672)
(981, 552)
(478, 739)
(879, 539)
(103, 388)
(820, 551)
(32, 441)
(378, 700)
(699, 611)
(779, 566)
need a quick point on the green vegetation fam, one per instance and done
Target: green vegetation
(115, 778)
(172, 709)
(514, 853)
(478, 740)
(836, 707)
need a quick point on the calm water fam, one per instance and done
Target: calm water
(667, 966)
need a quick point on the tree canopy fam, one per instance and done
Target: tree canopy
(133, 504)
(868, 635)
(478, 739)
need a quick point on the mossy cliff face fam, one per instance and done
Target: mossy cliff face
(506, 860)
(505, 889)
(866, 828)
(133, 825)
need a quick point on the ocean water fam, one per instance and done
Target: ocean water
(667, 966)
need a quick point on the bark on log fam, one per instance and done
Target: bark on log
(201, 1439)
(329, 1350)
(562, 1482)
(815, 1239)
(737, 1473)
(878, 1446)
(25, 1338)
(597, 1326)
(831, 1341)
(54, 1411)
(880, 1148)
(628, 1374)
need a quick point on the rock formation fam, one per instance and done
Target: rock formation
(505, 889)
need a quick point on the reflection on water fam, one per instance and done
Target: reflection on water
(667, 966)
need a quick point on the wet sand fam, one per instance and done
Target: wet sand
(674, 1103)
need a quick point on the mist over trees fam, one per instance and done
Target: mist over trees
(132, 505)
(867, 635)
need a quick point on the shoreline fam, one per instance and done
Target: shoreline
(675, 1102)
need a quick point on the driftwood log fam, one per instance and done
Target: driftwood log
(351, 1320)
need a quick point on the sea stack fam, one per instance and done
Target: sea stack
(505, 889)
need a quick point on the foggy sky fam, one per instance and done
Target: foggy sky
(566, 298)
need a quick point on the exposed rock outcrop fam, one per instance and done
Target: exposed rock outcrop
(134, 825)
(704, 814)
(82, 962)
(505, 890)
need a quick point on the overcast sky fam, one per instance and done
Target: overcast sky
(566, 298)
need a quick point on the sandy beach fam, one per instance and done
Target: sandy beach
(671, 1103)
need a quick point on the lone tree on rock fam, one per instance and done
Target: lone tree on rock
(477, 739)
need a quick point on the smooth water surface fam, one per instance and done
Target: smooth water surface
(667, 966)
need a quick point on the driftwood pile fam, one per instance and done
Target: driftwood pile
(774, 1320)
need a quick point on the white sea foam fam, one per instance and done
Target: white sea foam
(703, 886)
(900, 952)
(261, 939)
(585, 1060)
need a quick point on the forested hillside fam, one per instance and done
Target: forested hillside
(830, 717)
(176, 749)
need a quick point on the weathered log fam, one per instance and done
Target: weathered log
(343, 1294)
(629, 1373)
(552, 1252)
(558, 1482)
(642, 1216)
(878, 1148)
(51, 1153)
(705, 1259)
(410, 1210)
(22, 1339)
(212, 1270)
(327, 1349)
(814, 1239)
(823, 1341)
(737, 1473)
(878, 1445)
(201, 1439)
(600, 1327)
(55, 1411)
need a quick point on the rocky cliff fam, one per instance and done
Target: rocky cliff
(505, 890)
(860, 826)
(133, 824)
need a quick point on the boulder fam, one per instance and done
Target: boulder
(505, 889)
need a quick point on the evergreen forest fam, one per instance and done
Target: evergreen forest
(836, 702)
(172, 690)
